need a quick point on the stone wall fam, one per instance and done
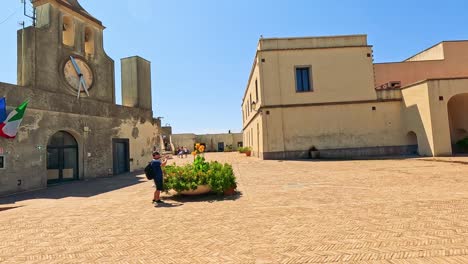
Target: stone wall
(93, 124)
(210, 140)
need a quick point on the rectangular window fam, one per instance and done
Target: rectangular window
(303, 81)
(2, 162)
(256, 91)
(247, 109)
(250, 103)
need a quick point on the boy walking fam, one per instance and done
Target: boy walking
(156, 163)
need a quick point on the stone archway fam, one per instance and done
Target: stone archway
(412, 142)
(458, 121)
(62, 158)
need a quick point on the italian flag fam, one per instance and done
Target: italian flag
(9, 127)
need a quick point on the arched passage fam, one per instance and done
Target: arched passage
(89, 41)
(458, 121)
(68, 31)
(412, 142)
(62, 158)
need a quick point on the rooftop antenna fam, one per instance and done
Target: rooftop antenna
(33, 16)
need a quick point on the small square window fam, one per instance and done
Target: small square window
(303, 80)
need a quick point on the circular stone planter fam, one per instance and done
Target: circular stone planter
(201, 189)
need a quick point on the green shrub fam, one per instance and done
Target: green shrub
(182, 178)
(228, 148)
(220, 177)
(463, 143)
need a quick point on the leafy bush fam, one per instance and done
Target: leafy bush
(183, 178)
(463, 143)
(218, 176)
(228, 148)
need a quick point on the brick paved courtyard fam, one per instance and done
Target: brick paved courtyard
(377, 211)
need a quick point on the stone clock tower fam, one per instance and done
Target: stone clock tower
(66, 44)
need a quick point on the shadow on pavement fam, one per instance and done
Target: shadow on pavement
(209, 197)
(168, 205)
(85, 188)
(9, 208)
(400, 157)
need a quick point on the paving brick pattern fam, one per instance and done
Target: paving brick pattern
(377, 211)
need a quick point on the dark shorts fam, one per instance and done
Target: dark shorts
(159, 183)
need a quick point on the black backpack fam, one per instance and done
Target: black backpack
(149, 171)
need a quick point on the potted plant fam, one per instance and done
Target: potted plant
(186, 179)
(462, 145)
(240, 149)
(221, 178)
(314, 152)
(248, 151)
(200, 176)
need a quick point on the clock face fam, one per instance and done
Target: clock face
(71, 73)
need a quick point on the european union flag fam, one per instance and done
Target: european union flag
(2, 109)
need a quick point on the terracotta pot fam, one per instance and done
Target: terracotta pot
(230, 191)
(248, 153)
(201, 189)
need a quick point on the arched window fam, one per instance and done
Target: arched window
(68, 31)
(89, 41)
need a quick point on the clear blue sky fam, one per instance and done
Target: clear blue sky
(202, 50)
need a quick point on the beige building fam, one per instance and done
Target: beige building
(72, 130)
(325, 92)
(212, 142)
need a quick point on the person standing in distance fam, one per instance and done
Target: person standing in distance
(156, 164)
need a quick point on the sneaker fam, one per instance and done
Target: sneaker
(159, 202)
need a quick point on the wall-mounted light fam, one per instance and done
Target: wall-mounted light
(254, 105)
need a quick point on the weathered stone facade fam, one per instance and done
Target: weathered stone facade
(99, 126)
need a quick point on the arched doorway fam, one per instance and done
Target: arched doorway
(62, 158)
(458, 121)
(412, 142)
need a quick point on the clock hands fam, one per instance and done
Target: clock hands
(82, 81)
(78, 71)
